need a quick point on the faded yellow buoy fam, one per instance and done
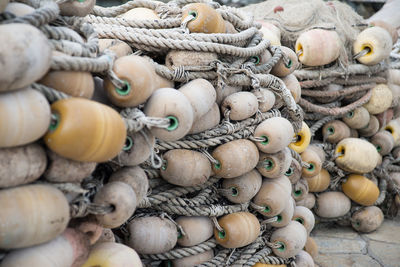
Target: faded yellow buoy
(391, 29)
(204, 19)
(291, 240)
(367, 219)
(271, 33)
(185, 167)
(356, 155)
(152, 235)
(243, 188)
(303, 138)
(235, 158)
(311, 247)
(20, 209)
(24, 116)
(239, 229)
(274, 165)
(377, 44)
(85, 130)
(318, 47)
(380, 100)
(320, 182)
(173, 105)
(110, 254)
(21, 165)
(332, 204)
(197, 229)
(33, 58)
(393, 127)
(360, 190)
(276, 133)
(357, 118)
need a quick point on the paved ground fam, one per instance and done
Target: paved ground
(342, 246)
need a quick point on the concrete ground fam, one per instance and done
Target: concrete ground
(342, 246)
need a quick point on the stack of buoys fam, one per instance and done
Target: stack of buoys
(149, 134)
(350, 95)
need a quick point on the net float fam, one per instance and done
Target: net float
(320, 182)
(201, 95)
(139, 80)
(261, 59)
(185, 167)
(273, 195)
(272, 27)
(300, 189)
(277, 133)
(293, 85)
(193, 260)
(389, 28)
(76, 8)
(283, 218)
(25, 117)
(110, 254)
(107, 235)
(393, 127)
(274, 165)
(360, 189)
(291, 239)
(393, 76)
(380, 100)
(371, 129)
(139, 13)
(356, 155)
(208, 121)
(308, 201)
(372, 45)
(73, 83)
(311, 247)
(318, 53)
(135, 177)
(33, 60)
(224, 91)
(89, 226)
(137, 149)
(21, 165)
(367, 219)
(178, 58)
(71, 248)
(304, 259)
(243, 188)
(240, 105)
(332, 204)
(303, 138)
(21, 206)
(18, 9)
(318, 149)
(120, 48)
(313, 160)
(85, 130)
(335, 131)
(238, 229)
(121, 198)
(204, 19)
(235, 158)
(197, 229)
(271, 33)
(152, 235)
(63, 170)
(287, 64)
(304, 216)
(383, 141)
(294, 171)
(266, 99)
(385, 117)
(357, 119)
(173, 105)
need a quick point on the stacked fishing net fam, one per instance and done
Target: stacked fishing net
(164, 126)
(350, 95)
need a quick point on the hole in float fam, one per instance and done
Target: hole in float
(300, 220)
(125, 90)
(179, 234)
(165, 165)
(282, 246)
(217, 165)
(330, 130)
(350, 114)
(193, 13)
(54, 122)
(298, 193)
(289, 64)
(311, 167)
(378, 148)
(389, 129)
(268, 164)
(235, 191)
(357, 224)
(298, 138)
(267, 209)
(255, 60)
(266, 140)
(340, 151)
(279, 218)
(128, 144)
(221, 234)
(368, 48)
(299, 50)
(173, 123)
(289, 172)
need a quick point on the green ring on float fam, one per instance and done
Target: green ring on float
(311, 168)
(298, 193)
(378, 148)
(217, 165)
(300, 220)
(350, 114)
(279, 218)
(128, 144)
(173, 123)
(266, 140)
(125, 90)
(235, 191)
(267, 209)
(330, 130)
(289, 172)
(282, 247)
(268, 164)
(289, 65)
(221, 234)
(194, 14)
(54, 122)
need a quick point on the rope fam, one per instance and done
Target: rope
(209, 210)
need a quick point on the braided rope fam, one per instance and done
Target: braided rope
(209, 210)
